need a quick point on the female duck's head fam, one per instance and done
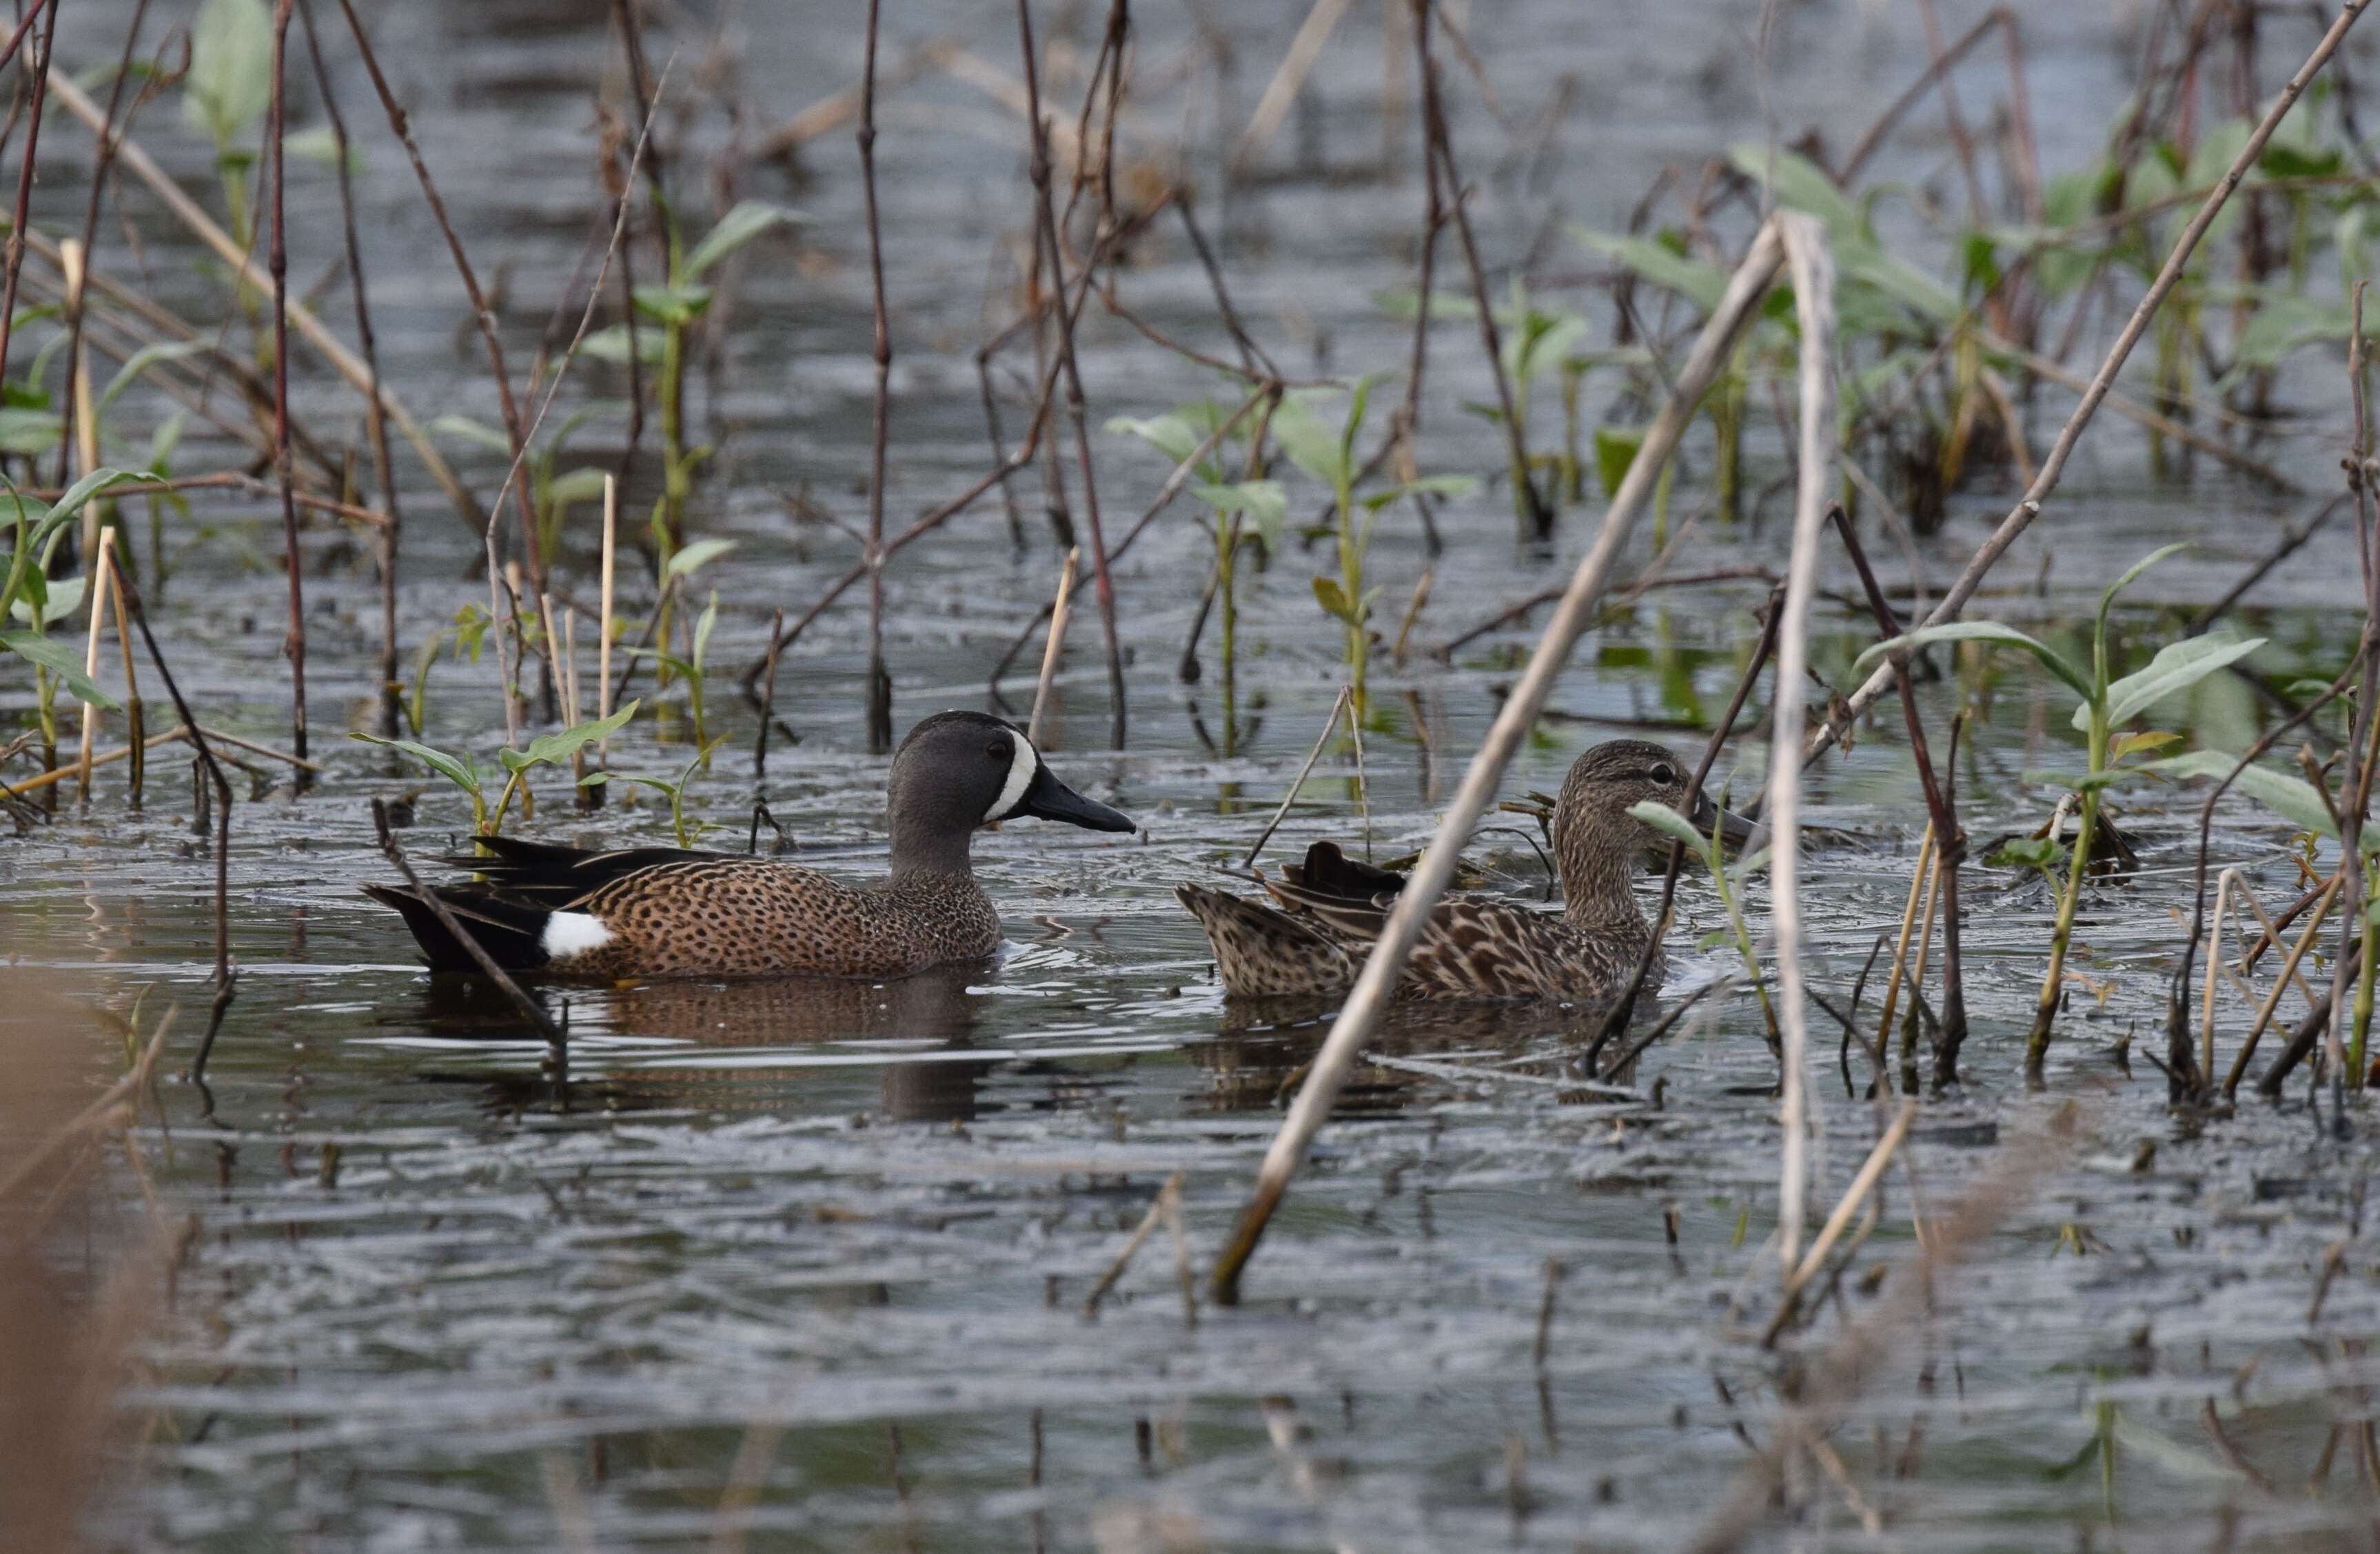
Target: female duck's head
(959, 771)
(1596, 840)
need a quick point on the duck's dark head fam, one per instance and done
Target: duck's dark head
(958, 772)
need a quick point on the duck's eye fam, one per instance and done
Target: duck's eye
(998, 749)
(1664, 775)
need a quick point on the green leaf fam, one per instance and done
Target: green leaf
(30, 433)
(1616, 449)
(1982, 631)
(140, 361)
(62, 598)
(582, 484)
(1800, 185)
(1429, 485)
(555, 749)
(2292, 798)
(2178, 666)
(2029, 851)
(319, 144)
(611, 343)
(703, 628)
(470, 431)
(230, 82)
(667, 304)
(167, 437)
(1671, 824)
(457, 769)
(2120, 584)
(1171, 434)
(746, 221)
(1443, 304)
(1700, 284)
(1310, 443)
(1264, 502)
(1333, 600)
(701, 552)
(60, 660)
(2132, 743)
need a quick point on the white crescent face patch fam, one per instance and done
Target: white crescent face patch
(1024, 762)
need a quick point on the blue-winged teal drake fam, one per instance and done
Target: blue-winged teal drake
(670, 912)
(1331, 909)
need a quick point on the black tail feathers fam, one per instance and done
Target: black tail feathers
(513, 932)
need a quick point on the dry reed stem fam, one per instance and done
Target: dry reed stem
(2272, 1001)
(101, 572)
(532, 1011)
(1148, 1226)
(1832, 1383)
(2225, 885)
(1054, 648)
(1870, 1171)
(1305, 50)
(1942, 819)
(2053, 465)
(202, 226)
(1814, 290)
(1342, 704)
(1376, 985)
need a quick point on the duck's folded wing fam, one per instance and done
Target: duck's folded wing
(557, 878)
(1470, 947)
(1330, 872)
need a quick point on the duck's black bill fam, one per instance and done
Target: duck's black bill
(1734, 831)
(1052, 800)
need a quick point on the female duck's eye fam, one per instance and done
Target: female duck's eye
(1664, 775)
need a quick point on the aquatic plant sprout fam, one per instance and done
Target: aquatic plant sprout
(546, 749)
(2102, 703)
(1727, 881)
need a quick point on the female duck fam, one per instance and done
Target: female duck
(669, 912)
(1331, 909)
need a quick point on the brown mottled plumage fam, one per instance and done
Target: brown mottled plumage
(669, 912)
(1331, 909)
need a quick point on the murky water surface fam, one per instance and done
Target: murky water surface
(810, 1261)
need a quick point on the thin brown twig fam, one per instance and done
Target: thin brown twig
(482, 315)
(38, 64)
(1103, 583)
(879, 678)
(375, 410)
(277, 261)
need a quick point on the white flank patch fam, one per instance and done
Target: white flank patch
(1021, 765)
(573, 933)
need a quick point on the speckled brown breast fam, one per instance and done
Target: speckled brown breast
(748, 917)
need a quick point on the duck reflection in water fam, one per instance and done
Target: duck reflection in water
(1260, 1054)
(933, 1014)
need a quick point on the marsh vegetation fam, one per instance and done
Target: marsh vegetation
(1947, 431)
